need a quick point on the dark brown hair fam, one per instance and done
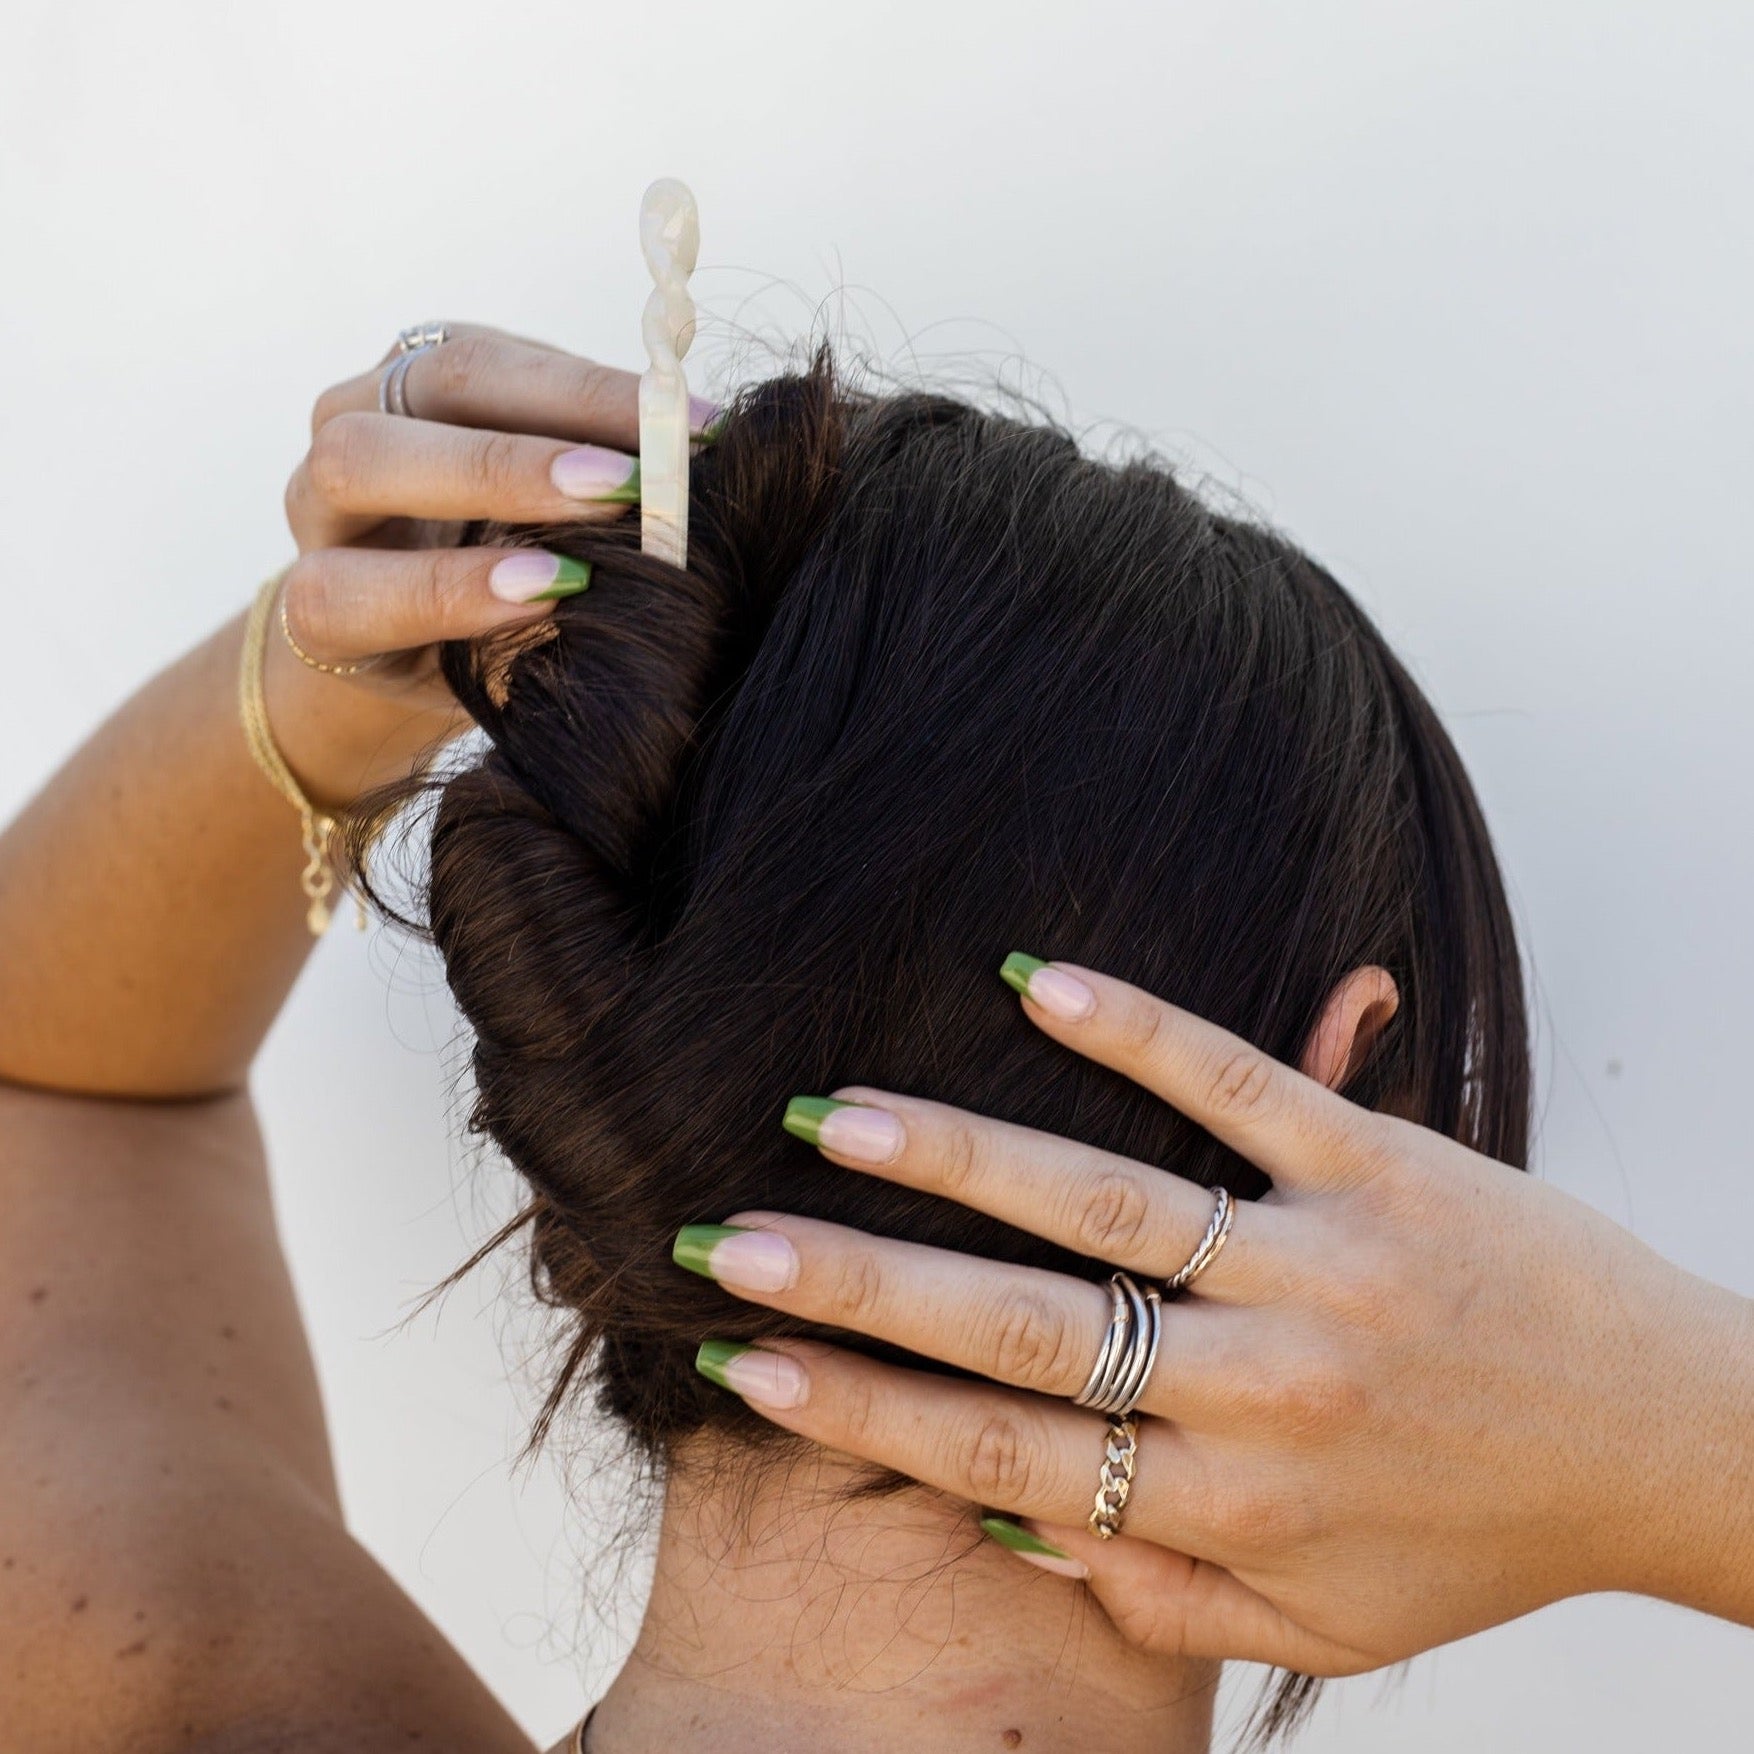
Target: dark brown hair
(933, 687)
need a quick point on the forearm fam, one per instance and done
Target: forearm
(151, 918)
(1690, 1522)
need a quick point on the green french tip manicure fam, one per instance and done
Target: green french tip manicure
(714, 1355)
(626, 494)
(805, 1115)
(1017, 970)
(695, 1243)
(1017, 1539)
(570, 577)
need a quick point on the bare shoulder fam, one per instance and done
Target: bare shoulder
(174, 1569)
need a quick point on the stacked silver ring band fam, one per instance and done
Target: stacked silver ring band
(392, 383)
(1124, 1362)
(1128, 1352)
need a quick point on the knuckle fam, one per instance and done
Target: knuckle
(1269, 1522)
(1152, 1621)
(599, 387)
(338, 456)
(1386, 1150)
(1240, 1084)
(856, 1290)
(1140, 1028)
(461, 368)
(1000, 1460)
(292, 501)
(1317, 1402)
(1031, 1341)
(330, 404)
(590, 380)
(1355, 1299)
(856, 1416)
(959, 1158)
(427, 601)
(1112, 1216)
(309, 598)
(500, 464)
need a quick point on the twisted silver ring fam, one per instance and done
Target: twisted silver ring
(1128, 1352)
(1209, 1247)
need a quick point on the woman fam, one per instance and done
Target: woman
(740, 830)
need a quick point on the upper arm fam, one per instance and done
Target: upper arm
(173, 1564)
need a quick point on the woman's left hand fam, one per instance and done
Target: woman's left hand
(1416, 1394)
(504, 431)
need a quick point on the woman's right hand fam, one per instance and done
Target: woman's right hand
(1416, 1395)
(505, 430)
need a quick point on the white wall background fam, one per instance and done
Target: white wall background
(1460, 293)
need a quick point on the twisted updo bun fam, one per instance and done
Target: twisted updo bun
(932, 687)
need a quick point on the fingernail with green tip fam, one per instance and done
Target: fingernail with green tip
(593, 473)
(1014, 1538)
(1015, 971)
(714, 1358)
(627, 493)
(769, 1379)
(694, 1245)
(737, 1256)
(1059, 994)
(856, 1131)
(805, 1114)
(533, 575)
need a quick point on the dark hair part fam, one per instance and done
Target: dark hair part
(933, 687)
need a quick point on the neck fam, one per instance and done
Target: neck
(787, 1615)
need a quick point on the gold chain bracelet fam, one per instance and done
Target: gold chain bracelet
(318, 827)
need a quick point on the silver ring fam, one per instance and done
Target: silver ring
(1128, 1352)
(392, 396)
(1208, 1249)
(419, 335)
(1111, 1339)
(393, 379)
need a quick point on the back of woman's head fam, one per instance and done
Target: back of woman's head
(933, 687)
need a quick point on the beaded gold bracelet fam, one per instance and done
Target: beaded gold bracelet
(317, 827)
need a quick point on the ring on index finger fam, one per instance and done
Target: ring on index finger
(411, 342)
(1207, 1250)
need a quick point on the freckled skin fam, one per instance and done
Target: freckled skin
(210, 1491)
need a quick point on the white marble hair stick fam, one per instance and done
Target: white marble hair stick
(669, 234)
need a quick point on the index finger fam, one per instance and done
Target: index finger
(1292, 1127)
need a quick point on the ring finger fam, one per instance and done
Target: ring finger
(1025, 1455)
(1021, 1326)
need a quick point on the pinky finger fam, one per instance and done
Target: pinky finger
(1173, 1605)
(346, 604)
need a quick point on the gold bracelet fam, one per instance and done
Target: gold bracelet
(318, 827)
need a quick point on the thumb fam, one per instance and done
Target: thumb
(1175, 1605)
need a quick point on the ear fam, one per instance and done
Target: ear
(1357, 1012)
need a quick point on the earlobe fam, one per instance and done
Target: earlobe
(1356, 1013)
